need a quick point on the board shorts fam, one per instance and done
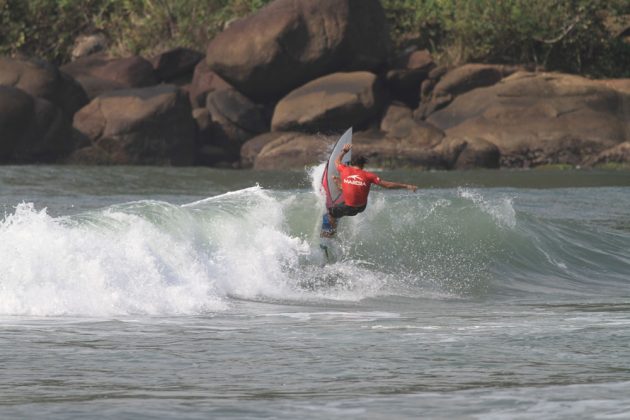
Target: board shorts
(341, 210)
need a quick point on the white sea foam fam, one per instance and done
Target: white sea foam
(121, 264)
(151, 257)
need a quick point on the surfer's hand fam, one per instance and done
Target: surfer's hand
(412, 188)
(346, 148)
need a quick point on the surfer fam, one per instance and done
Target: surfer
(355, 184)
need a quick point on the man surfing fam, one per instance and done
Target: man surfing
(355, 187)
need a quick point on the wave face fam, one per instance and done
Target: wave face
(157, 258)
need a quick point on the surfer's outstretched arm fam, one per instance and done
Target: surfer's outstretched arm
(345, 150)
(397, 185)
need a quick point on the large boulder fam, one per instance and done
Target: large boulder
(471, 76)
(98, 73)
(404, 141)
(252, 147)
(469, 153)
(399, 123)
(387, 151)
(41, 79)
(175, 65)
(203, 82)
(424, 148)
(137, 126)
(405, 79)
(293, 150)
(32, 130)
(214, 148)
(332, 102)
(16, 113)
(238, 118)
(461, 80)
(290, 42)
(537, 119)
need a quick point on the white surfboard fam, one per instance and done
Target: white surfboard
(332, 191)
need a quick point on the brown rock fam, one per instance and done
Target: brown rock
(421, 60)
(213, 145)
(289, 42)
(98, 74)
(404, 83)
(238, 118)
(470, 76)
(394, 115)
(390, 152)
(176, 64)
(50, 136)
(293, 151)
(470, 153)
(461, 80)
(43, 80)
(252, 147)
(205, 81)
(539, 119)
(330, 103)
(16, 112)
(138, 126)
(32, 130)
(399, 123)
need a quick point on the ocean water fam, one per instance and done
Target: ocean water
(198, 293)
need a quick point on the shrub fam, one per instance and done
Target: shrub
(48, 28)
(565, 35)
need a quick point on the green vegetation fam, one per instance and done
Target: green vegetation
(48, 28)
(576, 36)
(555, 167)
(613, 166)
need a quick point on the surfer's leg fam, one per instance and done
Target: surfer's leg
(353, 211)
(329, 226)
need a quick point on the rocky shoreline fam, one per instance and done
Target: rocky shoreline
(275, 89)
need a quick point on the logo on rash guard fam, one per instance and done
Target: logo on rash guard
(355, 180)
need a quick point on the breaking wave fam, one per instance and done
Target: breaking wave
(156, 258)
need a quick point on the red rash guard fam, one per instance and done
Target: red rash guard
(355, 184)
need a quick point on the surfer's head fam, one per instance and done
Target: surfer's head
(358, 160)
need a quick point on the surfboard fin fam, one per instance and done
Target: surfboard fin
(325, 249)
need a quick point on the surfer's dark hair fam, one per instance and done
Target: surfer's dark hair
(358, 160)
